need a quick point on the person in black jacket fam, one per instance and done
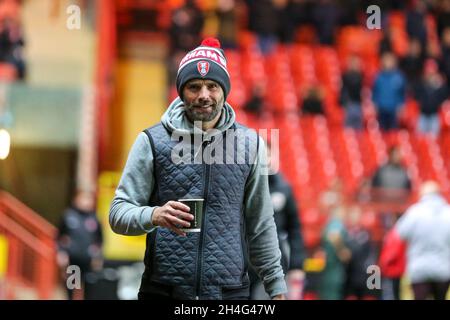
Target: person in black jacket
(363, 255)
(313, 101)
(288, 224)
(412, 64)
(430, 94)
(80, 240)
(350, 96)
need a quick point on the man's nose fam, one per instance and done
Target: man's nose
(204, 93)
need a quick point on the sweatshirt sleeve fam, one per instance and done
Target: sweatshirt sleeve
(265, 255)
(130, 213)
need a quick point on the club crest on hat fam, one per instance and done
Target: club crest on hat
(203, 68)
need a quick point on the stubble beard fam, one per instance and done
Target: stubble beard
(195, 115)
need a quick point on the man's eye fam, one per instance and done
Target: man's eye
(212, 86)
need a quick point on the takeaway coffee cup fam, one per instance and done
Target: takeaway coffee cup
(196, 206)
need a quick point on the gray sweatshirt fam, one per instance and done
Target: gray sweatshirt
(426, 228)
(131, 215)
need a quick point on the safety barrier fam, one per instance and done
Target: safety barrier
(31, 249)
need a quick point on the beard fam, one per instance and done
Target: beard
(202, 111)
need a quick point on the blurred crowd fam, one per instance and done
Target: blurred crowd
(421, 73)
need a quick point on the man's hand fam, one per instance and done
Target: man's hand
(279, 297)
(173, 215)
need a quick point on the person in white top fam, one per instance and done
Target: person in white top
(425, 227)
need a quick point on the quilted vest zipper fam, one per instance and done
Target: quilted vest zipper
(203, 231)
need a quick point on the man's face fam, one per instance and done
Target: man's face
(354, 64)
(389, 61)
(395, 156)
(203, 100)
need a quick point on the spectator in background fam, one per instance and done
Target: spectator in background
(326, 15)
(443, 16)
(80, 239)
(391, 181)
(227, 12)
(391, 184)
(5, 42)
(350, 96)
(11, 45)
(385, 44)
(430, 94)
(256, 102)
(349, 16)
(286, 10)
(388, 92)
(412, 64)
(335, 245)
(288, 224)
(186, 27)
(185, 33)
(300, 11)
(415, 21)
(445, 60)
(261, 17)
(363, 255)
(425, 227)
(313, 101)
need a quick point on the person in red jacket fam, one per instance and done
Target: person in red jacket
(392, 263)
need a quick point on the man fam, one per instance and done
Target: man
(431, 93)
(389, 92)
(412, 64)
(425, 227)
(334, 242)
(80, 240)
(238, 222)
(391, 180)
(363, 254)
(350, 95)
(391, 185)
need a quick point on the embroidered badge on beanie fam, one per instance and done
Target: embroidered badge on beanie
(203, 68)
(204, 62)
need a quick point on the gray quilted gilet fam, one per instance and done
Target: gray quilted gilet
(200, 265)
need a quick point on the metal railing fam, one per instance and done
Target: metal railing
(31, 249)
